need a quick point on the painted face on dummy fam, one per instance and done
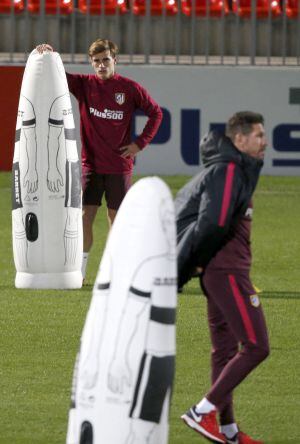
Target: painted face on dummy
(254, 144)
(104, 64)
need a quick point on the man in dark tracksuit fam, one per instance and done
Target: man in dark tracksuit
(213, 232)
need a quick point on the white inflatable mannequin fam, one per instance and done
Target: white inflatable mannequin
(46, 214)
(125, 367)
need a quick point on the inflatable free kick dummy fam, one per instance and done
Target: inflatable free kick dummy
(46, 195)
(125, 367)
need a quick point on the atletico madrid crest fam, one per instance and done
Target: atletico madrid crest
(120, 98)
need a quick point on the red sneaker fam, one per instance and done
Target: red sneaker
(242, 438)
(206, 424)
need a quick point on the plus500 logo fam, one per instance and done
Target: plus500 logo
(107, 114)
(284, 137)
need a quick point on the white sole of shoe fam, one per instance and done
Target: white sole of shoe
(191, 423)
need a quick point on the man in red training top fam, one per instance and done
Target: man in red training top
(107, 102)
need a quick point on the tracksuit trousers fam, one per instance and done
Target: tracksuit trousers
(238, 334)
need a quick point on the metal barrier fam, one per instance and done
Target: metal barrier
(233, 32)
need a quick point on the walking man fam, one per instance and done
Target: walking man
(214, 213)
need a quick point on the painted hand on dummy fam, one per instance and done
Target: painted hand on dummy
(89, 374)
(119, 376)
(54, 180)
(31, 180)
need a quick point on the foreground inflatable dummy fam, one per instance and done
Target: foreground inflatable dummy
(125, 367)
(46, 194)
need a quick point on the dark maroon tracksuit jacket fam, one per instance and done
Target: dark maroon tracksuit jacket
(213, 213)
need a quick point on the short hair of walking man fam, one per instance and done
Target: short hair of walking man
(214, 212)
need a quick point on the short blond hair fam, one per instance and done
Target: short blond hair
(101, 45)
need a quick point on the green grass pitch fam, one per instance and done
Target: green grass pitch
(40, 333)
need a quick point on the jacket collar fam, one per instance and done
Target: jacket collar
(216, 148)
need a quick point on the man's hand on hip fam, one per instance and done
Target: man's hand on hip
(130, 150)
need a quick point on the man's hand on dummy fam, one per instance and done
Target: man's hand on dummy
(130, 150)
(44, 47)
